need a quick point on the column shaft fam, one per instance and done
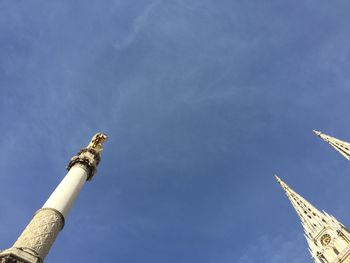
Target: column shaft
(39, 235)
(67, 191)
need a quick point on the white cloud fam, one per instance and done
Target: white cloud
(137, 26)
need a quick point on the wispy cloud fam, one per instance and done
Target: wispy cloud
(137, 26)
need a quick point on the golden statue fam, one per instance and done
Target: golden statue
(96, 142)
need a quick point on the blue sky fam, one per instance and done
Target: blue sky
(203, 101)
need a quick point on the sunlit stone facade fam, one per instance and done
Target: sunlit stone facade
(327, 238)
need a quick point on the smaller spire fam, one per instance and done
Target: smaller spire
(341, 146)
(278, 179)
(318, 133)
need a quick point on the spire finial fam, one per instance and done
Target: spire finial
(277, 178)
(282, 184)
(318, 133)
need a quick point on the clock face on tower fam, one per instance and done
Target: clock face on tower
(325, 239)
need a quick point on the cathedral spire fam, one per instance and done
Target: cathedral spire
(328, 239)
(312, 219)
(341, 146)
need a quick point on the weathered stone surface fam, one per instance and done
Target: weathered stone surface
(37, 238)
(15, 255)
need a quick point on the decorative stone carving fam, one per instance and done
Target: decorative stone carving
(41, 232)
(15, 255)
(89, 157)
(96, 142)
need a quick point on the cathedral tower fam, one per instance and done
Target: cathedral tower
(37, 238)
(328, 239)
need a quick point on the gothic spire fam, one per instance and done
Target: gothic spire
(327, 238)
(341, 146)
(311, 218)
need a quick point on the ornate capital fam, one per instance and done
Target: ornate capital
(89, 157)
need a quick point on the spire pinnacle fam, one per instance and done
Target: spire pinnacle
(341, 146)
(279, 180)
(312, 219)
(318, 133)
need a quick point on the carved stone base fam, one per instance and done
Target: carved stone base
(15, 255)
(37, 238)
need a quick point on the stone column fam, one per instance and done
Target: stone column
(37, 238)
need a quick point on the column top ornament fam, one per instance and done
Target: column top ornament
(89, 157)
(97, 141)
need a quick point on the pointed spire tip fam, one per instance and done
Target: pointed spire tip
(281, 183)
(342, 147)
(277, 178)
(318, 133)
